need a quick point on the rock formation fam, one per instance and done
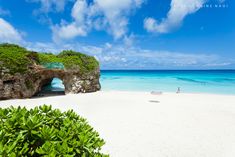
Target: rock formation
(76, 78)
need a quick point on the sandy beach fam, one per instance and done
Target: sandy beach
(139, 124)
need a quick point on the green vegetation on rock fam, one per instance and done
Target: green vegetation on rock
(16, 59)
(71, 60)
(43, 131)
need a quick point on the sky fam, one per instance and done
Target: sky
(127, 34)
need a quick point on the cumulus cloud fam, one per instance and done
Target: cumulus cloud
(67, 31)
(107, 15)
(8, 33)
(116, 13)
(178, 11)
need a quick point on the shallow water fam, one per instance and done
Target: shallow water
(56, 85)
(190, 81)
(195, 81)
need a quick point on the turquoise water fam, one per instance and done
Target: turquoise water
(56, 85)
(190, 81)
(216, 81)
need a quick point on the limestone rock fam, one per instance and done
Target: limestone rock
(23, 77)
(27, 85)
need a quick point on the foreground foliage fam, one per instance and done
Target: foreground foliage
(16, 59)
(45, 132)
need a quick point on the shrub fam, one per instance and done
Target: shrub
(45, 132)
(71, 60)
(16, 59)
(67, 53)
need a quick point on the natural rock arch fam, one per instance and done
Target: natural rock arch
(73, 81)
(47, 77)
(28, 85)
(79, 72)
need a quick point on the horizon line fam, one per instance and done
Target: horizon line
(165, 69)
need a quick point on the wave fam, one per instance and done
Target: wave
(223, 80)
(191, 80)
(110, 78)
(227, 79)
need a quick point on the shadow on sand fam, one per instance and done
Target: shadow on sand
(48, 94)
(154, 101)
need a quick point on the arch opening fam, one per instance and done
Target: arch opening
(52, 87)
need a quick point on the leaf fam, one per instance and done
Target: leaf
(43, 131)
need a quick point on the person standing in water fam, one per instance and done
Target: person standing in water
(178, 90)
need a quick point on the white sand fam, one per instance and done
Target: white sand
(134, 124)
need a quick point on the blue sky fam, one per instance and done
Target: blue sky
(127, 34)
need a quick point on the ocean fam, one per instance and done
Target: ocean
(189, 81)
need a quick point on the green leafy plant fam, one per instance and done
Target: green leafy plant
(15, 59)
(71, 60)
(43, 131)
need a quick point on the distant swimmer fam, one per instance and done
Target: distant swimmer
(178, 90)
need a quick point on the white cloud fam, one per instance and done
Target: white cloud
(108, 15)
(129, 40)
(46, 7)
(134, 58)
(108, 45)
(8, 33)
(79, 26)
(178, 11)
(50, 5)
(116, 13)
(218, 64)
(119, 57)
(221, 1)
(79, 11)
(67, 31)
